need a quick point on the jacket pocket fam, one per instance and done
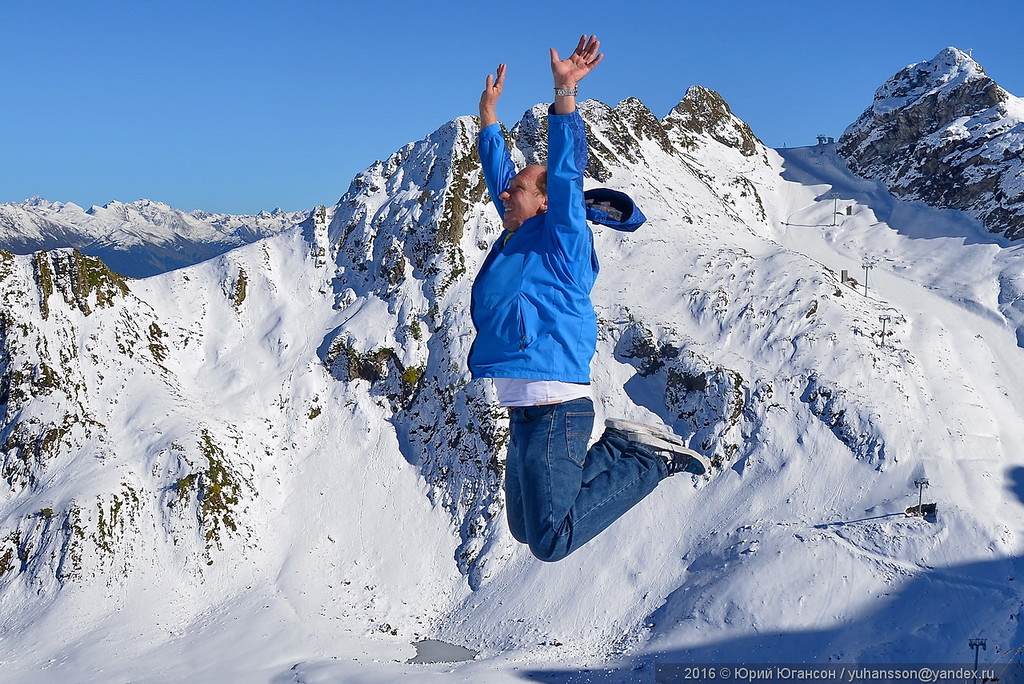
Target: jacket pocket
(526, 320)
(503, 331)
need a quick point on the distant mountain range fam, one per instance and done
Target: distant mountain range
(939, 131)
(139, 239)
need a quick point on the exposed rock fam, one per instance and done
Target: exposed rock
(703, 112)
(943, 132)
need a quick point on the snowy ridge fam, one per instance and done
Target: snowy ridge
(284, 439)
(138, 239)
(948, 72)
(942, 131)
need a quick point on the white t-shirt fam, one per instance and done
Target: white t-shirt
(518, 392)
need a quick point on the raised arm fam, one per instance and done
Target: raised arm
(567, 154)
(489, 97)
(494, 155)
(570, 71)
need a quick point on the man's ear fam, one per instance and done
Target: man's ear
(543, 206)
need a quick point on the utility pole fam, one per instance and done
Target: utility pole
(884, 318)
(976, 644)
(921, 484)
(835, 206)
(868, 264)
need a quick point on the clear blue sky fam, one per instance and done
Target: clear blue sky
(241, 106)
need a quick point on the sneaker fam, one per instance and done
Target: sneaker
(678, 457)
(639, 432)
(684, 460)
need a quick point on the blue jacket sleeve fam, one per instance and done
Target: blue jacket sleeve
(496, 162)
(567, 160)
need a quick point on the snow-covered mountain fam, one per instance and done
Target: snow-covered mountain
(942, 131)
(272, 466)
(139, 239)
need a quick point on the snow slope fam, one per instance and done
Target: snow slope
(271, 467)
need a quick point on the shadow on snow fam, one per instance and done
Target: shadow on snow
(928, 620)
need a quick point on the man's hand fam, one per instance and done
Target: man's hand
(489, 98)
(570, 71)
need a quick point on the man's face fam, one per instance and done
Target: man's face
(523, 199)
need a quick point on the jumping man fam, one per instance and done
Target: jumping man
(536, 333)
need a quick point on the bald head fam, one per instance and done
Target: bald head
(539, 175)
(525, 197)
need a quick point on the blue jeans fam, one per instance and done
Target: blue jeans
(559, 494)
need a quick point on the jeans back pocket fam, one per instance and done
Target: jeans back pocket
(578, 426)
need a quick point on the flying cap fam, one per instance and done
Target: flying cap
(612, 208)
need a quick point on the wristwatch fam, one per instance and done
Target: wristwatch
(566, 92)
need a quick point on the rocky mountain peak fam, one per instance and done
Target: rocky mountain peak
(943, 132)
(704, 112)
(951, 77)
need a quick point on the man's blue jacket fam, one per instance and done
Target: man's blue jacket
(531, 299)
